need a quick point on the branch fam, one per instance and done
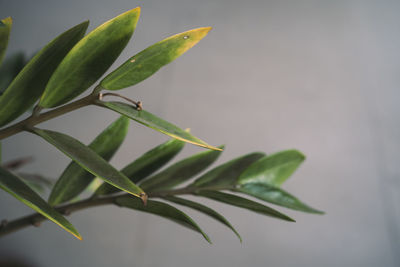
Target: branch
(35, 219)
(38, 118)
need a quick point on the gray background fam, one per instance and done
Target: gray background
(319, 76)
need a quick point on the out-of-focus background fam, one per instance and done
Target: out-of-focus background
(319, 76)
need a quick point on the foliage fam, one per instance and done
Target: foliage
(70, 64)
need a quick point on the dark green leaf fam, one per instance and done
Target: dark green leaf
(150, 60)
(147, 164)
(276, 196)
(204, 209)
(4, 36)
(274, 169)
(75, 179)
(161, 209)
(227, 173)
(29, 84)
(89, 59)
(17, 188)
(180, 171)
(10, 69)
(154, 122)
(90, 161)
(243, 203)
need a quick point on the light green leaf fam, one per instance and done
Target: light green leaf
(147, 62)
(181, 171)
(154, 122)
(9, 70)
(203, 209)
(147, 164)
(17, 188)
(89, 59)
(161, 209)
(90, 161)
(29, 84)
(276, 196)
(227, 174)
(5, 30)
(243, 203)
(274, 169)
(75, 179)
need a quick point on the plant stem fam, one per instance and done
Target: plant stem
(36, 218)
(38, 118)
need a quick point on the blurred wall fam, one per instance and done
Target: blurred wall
(319, 76)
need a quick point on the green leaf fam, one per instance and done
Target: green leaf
(90, 161)
(162, 209)
(150, 60)
(180, 171)
(29, 84)
(203, 209)
(89, 59)
(274, 169)
(10, 69)
(226, 175)
(5, 30)
(243, 203)
(276, 196)
(17, 188)
(75, 179)
(147, 164)
(154, 122)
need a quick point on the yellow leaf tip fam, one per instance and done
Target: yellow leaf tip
(77, 235)
(131, 11)
(204, 30)
(7, 20)
(216, 148)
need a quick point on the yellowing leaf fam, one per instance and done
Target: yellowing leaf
(146, 63)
